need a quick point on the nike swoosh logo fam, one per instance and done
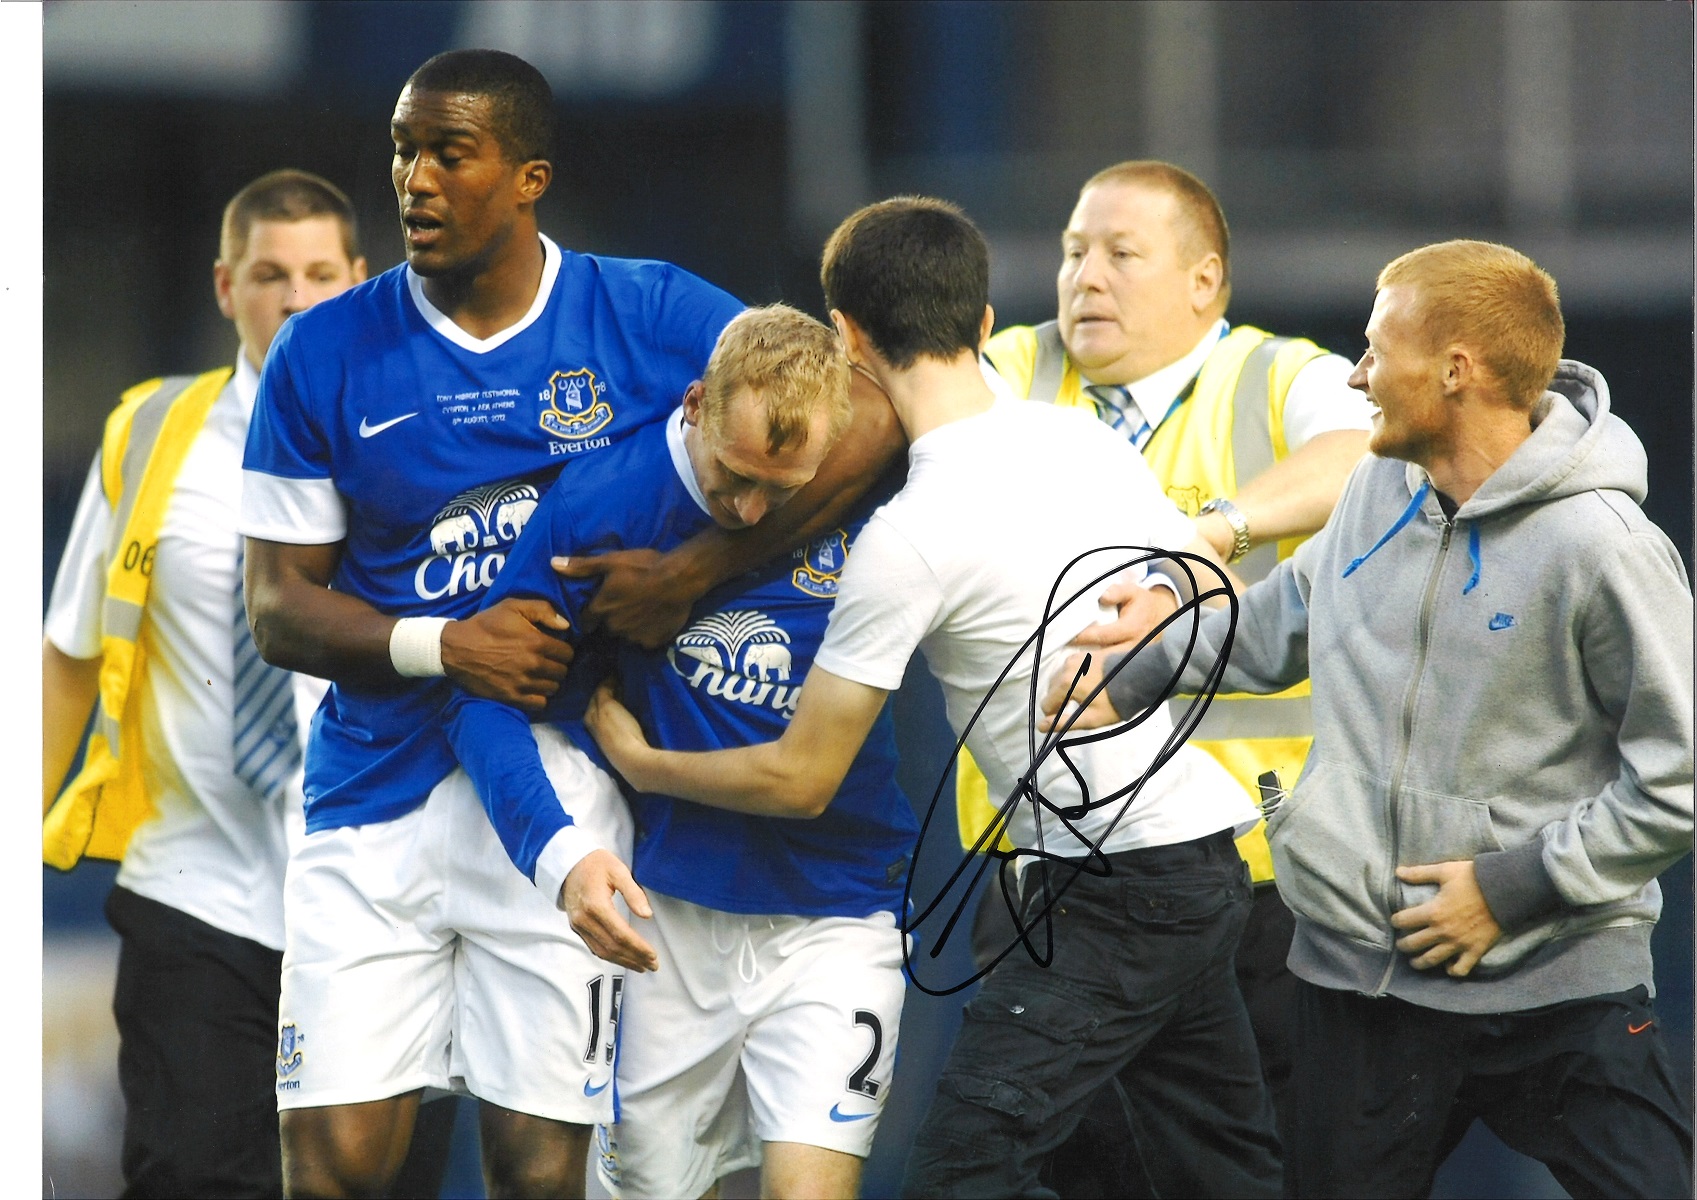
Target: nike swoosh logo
(1631, 1028)
(368, 430)
(590, 1090)
(838, 1115)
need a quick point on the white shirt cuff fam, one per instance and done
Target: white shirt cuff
(564, 851)
(305, 512)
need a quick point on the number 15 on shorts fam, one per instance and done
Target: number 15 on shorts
(601, 1042)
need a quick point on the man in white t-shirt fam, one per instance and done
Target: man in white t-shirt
(1136, 902)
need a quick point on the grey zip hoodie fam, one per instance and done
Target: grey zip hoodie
(1512, 685)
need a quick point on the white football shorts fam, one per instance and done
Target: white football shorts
(418, 956)
(754, 1029)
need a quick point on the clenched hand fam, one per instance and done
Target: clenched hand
(506, 653)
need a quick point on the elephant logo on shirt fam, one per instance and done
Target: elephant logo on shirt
(470, 536)
(452, 534)
(511, 516)
(701, 652)
(742, 655)
(766, 660)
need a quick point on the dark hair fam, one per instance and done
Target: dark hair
(286, 195)
(521, 102)
(914, 273)
(1201, 223)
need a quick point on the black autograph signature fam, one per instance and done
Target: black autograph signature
(1052, 874)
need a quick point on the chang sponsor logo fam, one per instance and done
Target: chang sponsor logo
(470, 537)
(741, 656)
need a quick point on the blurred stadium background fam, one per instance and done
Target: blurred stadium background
(730, 136)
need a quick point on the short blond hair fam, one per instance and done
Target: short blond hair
(1492, 299)
(791, 361)
(1201, 222)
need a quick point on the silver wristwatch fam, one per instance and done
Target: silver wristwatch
(1234, 518)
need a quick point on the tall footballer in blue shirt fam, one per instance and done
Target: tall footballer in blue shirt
(401, 441)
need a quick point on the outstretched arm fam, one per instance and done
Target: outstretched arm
(504, 653)
(795, 776)
(645, 596)
(1143, 604)
(1294, 496)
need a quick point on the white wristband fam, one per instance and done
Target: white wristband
(415, 646)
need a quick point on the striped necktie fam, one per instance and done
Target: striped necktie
(265, 734)
(1113, 405)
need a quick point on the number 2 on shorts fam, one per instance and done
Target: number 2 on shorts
(861, 1080)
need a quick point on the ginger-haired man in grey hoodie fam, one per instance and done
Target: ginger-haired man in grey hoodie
(1501, 648)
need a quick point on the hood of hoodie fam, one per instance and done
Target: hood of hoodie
(1577, 445)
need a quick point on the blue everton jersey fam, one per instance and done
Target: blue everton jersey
(381, 422)
(731, 678)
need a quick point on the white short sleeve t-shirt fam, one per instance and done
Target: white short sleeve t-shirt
(1018, 511)
(214, 850)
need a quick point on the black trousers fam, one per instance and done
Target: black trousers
(1141, 990)
(1270, 994)
(197, 1026)
(1386, 1090)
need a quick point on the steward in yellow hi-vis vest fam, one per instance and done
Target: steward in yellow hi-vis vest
(1227, 430)
(147, 437)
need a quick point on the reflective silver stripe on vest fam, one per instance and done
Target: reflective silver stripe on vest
(107, 726)
(1258, 717)
(1051, 365)
(120, 618)
(1252, 442)
(144, 431)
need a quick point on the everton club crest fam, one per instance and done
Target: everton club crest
(821, 566)
(575, 409)
(288, 1051)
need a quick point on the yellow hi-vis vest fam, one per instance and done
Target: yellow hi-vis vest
(147, 437)
(1228, 431)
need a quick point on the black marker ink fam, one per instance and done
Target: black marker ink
(1037, 906)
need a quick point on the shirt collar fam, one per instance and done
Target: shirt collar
(680, 459)
(444, 325)
(1154, 394)
(246, 381)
